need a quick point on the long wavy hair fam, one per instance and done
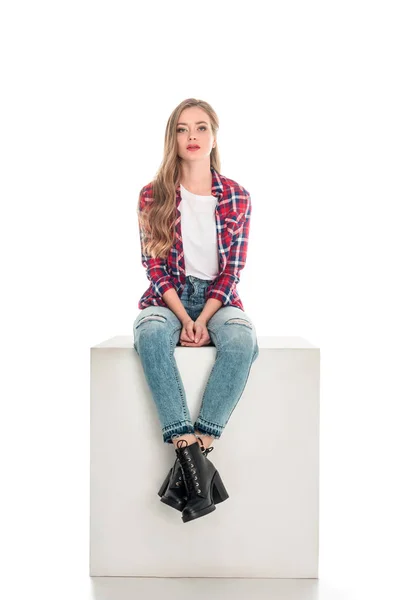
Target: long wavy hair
(158, 222)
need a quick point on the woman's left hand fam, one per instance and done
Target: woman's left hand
(200, 334)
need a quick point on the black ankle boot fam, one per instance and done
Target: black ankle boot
(173, 489)
(201, 480)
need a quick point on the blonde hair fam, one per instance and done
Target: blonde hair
(157, 223)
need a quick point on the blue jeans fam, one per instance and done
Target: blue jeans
(156, 333)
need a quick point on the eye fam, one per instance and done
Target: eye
(183, 129)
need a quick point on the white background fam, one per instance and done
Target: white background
(308, 99)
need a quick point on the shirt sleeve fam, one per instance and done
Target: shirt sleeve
(156, 268)
(225, 283)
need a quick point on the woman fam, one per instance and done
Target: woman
(194, 229)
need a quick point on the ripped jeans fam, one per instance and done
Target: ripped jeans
(156, 333)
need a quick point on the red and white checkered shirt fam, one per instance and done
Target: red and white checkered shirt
(232, 219)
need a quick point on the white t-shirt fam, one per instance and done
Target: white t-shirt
(199, 234)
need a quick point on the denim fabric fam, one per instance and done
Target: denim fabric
(156, 333)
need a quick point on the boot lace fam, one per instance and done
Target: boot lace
(188, 470)
(204, 450)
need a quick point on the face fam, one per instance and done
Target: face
(194, 128)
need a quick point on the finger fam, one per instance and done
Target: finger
(184, 337)
(189, 331)
(200, 341)
(194, 344)
(199, 333)
(203, 336)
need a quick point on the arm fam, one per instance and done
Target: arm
(173, 302)
(211, 306)
(225, 283)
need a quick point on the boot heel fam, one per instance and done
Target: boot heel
(165, 484)
(219, 490)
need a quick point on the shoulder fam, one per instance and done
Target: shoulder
(236, 193)
(233, 186)
(146, 195)
(147, 190)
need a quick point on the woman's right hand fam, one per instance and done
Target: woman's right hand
(187, 333)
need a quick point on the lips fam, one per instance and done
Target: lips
(193, 147)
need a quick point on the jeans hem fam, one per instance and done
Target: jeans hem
(179, 428)
(208, 428)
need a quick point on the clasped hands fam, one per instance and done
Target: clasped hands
(194, 333)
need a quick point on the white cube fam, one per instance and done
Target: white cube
(267, 456)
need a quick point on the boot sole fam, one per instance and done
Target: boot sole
(172, 504)
(216, 486)
(199, 513)
(219, 493)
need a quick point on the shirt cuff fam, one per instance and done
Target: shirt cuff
(163, 285)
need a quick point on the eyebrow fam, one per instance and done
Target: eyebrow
(198, 123)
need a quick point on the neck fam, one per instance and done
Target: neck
(196, 175)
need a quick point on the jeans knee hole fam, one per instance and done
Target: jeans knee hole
(150, 318)
(240, 322)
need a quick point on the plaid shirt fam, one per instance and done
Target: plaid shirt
(232, 218)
